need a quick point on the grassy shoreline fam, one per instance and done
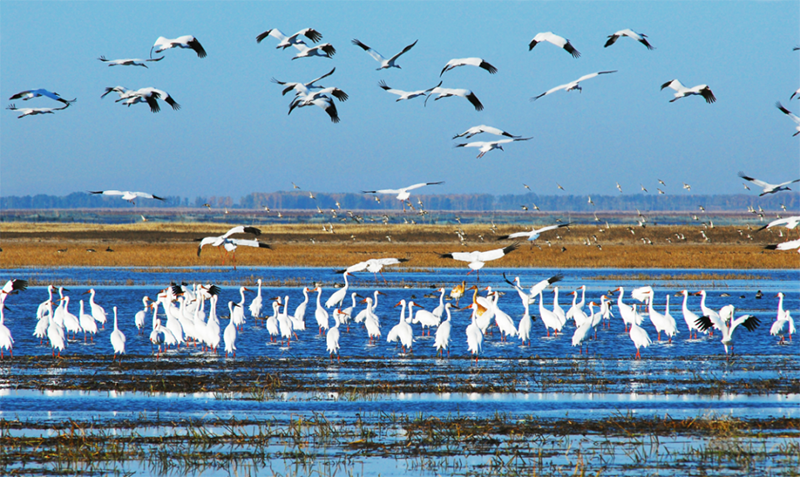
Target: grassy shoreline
(579, 246)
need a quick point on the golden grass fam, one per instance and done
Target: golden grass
(172, 244)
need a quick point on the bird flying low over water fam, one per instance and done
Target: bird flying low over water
(406, 94)
(483, 129)
(230, 244)
(287, 41)
(573, 84)
(186, 41)
(559, 41)
(479, 62)
(791, 115)
(129, 61)
(34, 111)
(448, 92)
(476, 260)
(766, 187)
(682, 91)
(374, 265)
(391, 62)
(640, 37)
(533, 234)
(128, 195)
(486, 146)
(34, 93)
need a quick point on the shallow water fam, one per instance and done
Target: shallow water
(549, 379)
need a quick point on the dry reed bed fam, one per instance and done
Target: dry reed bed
(160, 244)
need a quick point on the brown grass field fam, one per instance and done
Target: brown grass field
(173, 245)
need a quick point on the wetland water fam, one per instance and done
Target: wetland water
(542, 409)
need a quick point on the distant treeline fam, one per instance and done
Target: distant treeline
(448, 202)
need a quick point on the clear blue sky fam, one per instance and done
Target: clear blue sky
(233, 136)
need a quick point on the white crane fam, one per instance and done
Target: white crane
(791, 115)
(150, 96)
(486, 146)
(129, 61)
(479, 62)
(287, 41)
(750, 322)
(391, 62)
(533, 234)
(35, 93)
(230, 244)
(373, 265)
(130, 196)
(442, 340)
(405, 95)
(484, 129)
(185, 41)
(338, 296)
(640, 37)
(682, 91)
(117, 339)
(301, 87)
(788, 222)
(449, 92)
(324, 102)
(34, 111)
(477, 259)
(325, 50)
(559, 41)
(790, 245)
(766, 187)
(573, 84)
(307, 99)
(404, 193)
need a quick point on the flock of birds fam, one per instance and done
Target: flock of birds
(187, 315)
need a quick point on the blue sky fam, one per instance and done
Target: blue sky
(233, 136)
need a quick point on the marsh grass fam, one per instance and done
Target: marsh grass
(172, 245)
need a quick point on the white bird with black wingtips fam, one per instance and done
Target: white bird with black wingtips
(573, 84)
(484, 129)
(130, 196)
(559, 41)
(479, 62)
(766, 187)
(405, 95)
(404, 193)
(477, 259)
(682, 91)
(791, 115)
(287, 41)
(35, 93)
(486, 146)
(385, 63)
(450, 92)
(129, 61)
(185, 41)
(640, 37)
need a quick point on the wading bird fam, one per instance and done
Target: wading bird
(682, 91)
(229, 243)
(559, 41)
(721, 321)
(479, 62)
(788, 222)
(640, 37)
(127, 195)
(150, 96)
(117, 339)
(391, 62)
(573, 84)
(790, 245)
(373, 265)
(767, 188)
(301, 87)
(186, 41)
